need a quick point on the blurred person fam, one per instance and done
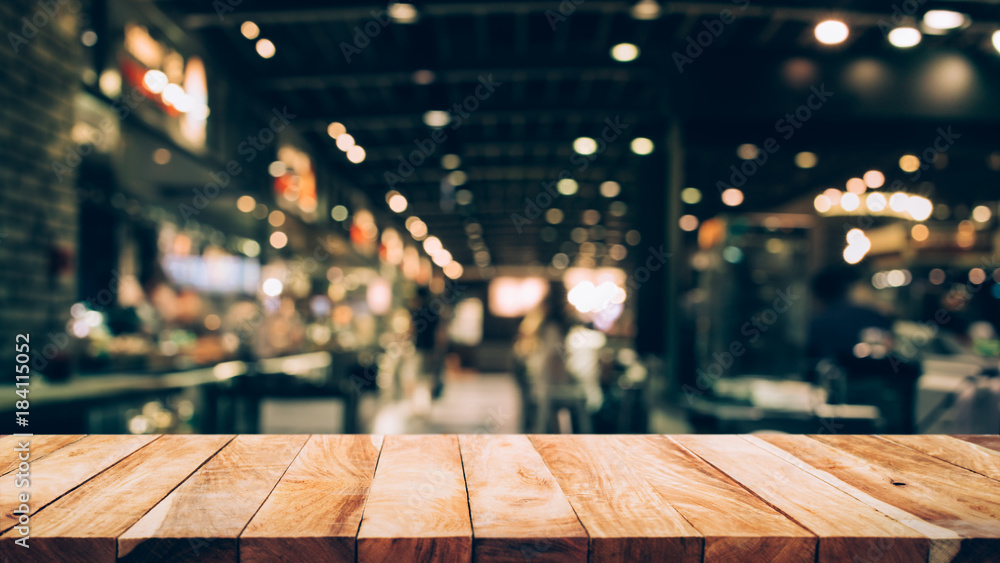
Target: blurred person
(852, 343)
(427, 364)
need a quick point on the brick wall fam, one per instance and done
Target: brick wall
(38, 211)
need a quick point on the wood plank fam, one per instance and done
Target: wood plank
(933, 490)
(846, 526)
(84, 525)
(517, 507)
(991, 441)
(418, 507)
(623, 515)
(40, 446)
(751, 530)
(236, 482)
(969, 455)
(325, 488)
(67, 468)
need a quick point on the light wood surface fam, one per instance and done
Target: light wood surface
(84, 524)
(238, 480)
(845, 526)
(325, 489)
(625, 518)
(39, 446)
(700, 493)
(417, 508)
(969, 455)
(506, 498)
(57, 473)
(934, 490)
(516, 504)
(990, 441)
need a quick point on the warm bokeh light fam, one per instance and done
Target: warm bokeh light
(265, 48)
(398, 203)
(806, 159)
(276, 218)
(822, 203)
(856, 186)
(944, 20)
(850, 201)
(451, 161)
(831, 32)
(909, 163)
(278, 239)
(834, 195)
(272, 287)
(585, 145)
(610, 189)
(249, 30)
(436, 118)
(981, 214)
(641, 146)
(875, 202)
(904, 37)
(403, 12)
(567, 186)
(338, 213)
(747, 151)
(920, 232)
(624, 52)
(732, 197)
(688, 222)
(919, 208)
(897, 202)
(453, 270)
(977, 276)
(356, 154)
(554, 216)
(691, 196)
(246, 203)
(937, 276)
(457, 178)
(874, 179)
(335, 129)
(345, 141)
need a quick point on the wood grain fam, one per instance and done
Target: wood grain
(63, 470)
(40, 446)
(750, 530)
(623, 515)
(935, 491)
(991, 441)
(315, 511)
(518, 510)
(969, 455)
(238, 480)
(846, 527)
(84, 524)
(418, 508)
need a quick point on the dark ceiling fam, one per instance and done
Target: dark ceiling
(559, 84)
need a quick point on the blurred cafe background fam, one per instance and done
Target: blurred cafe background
(583, 216)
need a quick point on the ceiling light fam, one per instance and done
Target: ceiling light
(642, 146)
(436, 118)
(943, 20)
(249, 30)
(265, 48)
(645, 10)
(585, 145)
(831, 32)
(345, 141)
(401, 12)
(356, 154)
(624, 52)
(904, 37)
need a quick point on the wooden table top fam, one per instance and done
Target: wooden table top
(504, 498)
